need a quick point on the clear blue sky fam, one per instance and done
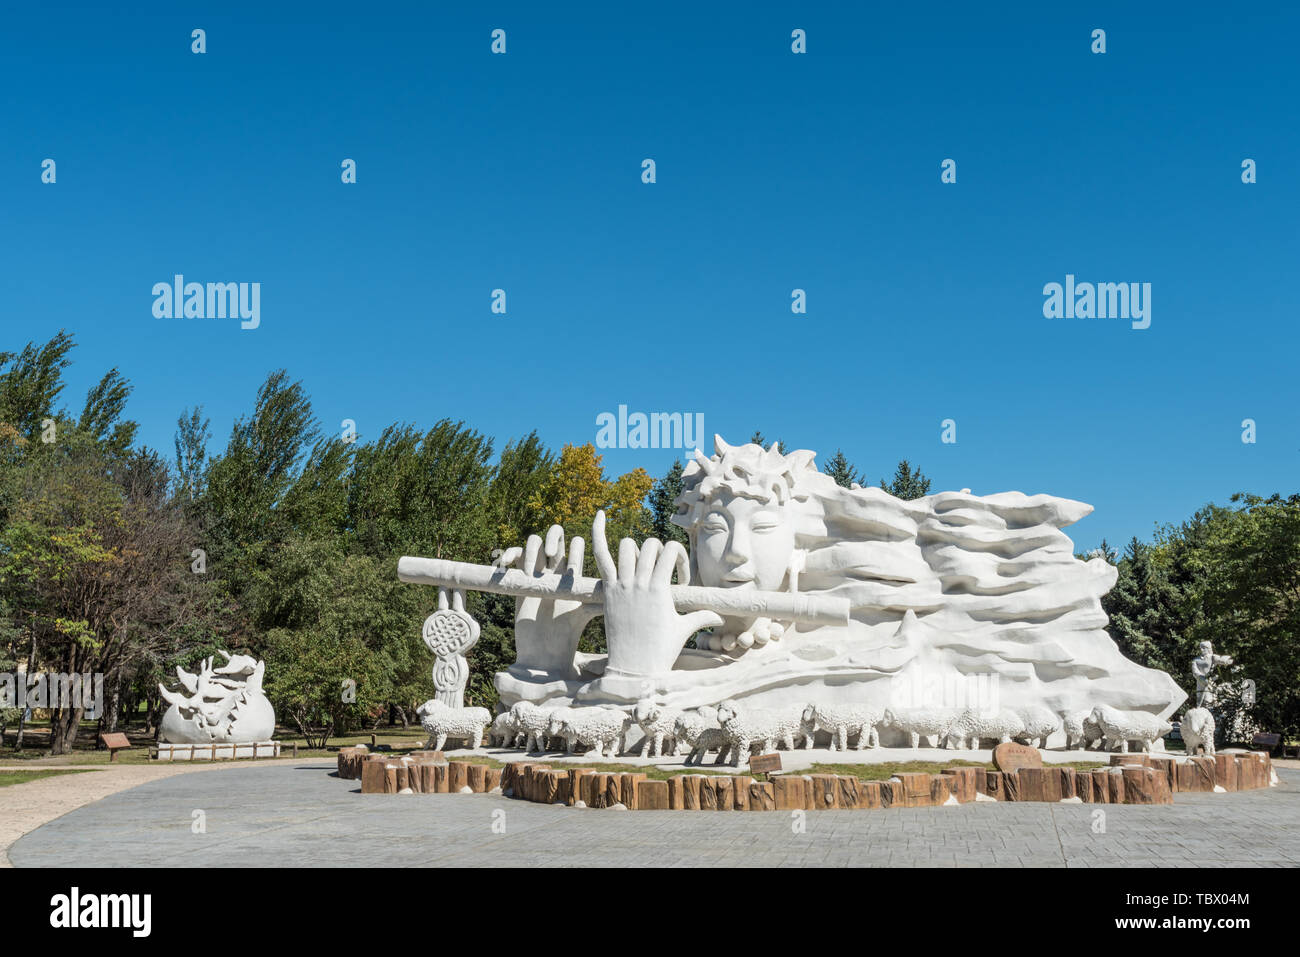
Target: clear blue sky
(775, 171)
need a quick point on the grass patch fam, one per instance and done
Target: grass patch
(22, 777)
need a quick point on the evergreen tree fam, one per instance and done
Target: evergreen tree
(842, 471)
(907, 484)
(662, 497)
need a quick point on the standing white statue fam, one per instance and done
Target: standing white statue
(1203, 668)
(223, 705)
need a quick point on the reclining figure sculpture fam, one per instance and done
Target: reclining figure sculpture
(799, 591)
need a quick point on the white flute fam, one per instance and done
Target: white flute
(728, 602)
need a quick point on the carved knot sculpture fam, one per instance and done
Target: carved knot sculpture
(450, 632)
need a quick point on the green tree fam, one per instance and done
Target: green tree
(662, 508)
(907, 484)
(842, 471)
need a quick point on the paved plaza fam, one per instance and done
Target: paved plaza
(301, 815)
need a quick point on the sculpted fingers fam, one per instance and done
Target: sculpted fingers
(576, 549)
(533, 554)
(554, 547)
(626, 560)
(697, 620)
(645, 567)
(604, 561)
(672, 558)
(509, 557)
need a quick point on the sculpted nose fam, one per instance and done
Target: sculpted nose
(737, 548)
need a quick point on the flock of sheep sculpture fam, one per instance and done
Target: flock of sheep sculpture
(732, 729)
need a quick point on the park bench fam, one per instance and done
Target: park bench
(1265, 742)
(115, 742)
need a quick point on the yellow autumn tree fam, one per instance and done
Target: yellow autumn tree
(577, 488)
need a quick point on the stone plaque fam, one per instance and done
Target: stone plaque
(1013, 757)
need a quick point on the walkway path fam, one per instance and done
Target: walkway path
(294, 814)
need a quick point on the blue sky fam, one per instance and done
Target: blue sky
(775, 171)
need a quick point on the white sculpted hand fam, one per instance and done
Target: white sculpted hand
(644, 631)
(547, 631)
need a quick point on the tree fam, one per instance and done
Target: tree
(842, 471)
(663, 497)
(907, 484)
(515, 493)
(192, 436)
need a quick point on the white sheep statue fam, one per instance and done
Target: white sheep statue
(1121, 727)
(1197, 729)
(689, 725)
(658, 727)
(1081, 732)
(531, 721)
(917, 723)
(443, 721)
(699, 733)
(1040, 724)
(972, 726)
(710, 739)
(746, 727)
(504, 732)
(842, 721)
(604, 729)
(555, 718)
(563, 722)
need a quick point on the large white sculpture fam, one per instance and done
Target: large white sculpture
(812, 593)
(222, 705)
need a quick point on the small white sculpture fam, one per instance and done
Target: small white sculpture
(1203, 668)
(690, 724)
(842, 721)
(504, 732)
(710, 739)
(745, 727)
(919, 723)
(442, 722)
(972, 726)
(657, 725)
(604, 729)
(1121, 727)
(532, 721)
(562, 721)
(1040, 724)
(1197, 729)
(699, 732)
(222, 705)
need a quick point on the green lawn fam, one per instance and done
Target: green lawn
(22, 777)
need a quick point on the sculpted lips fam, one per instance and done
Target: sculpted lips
(738, 578)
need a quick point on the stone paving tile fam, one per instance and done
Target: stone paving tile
(303, 816)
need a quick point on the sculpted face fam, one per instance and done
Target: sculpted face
(744, 543)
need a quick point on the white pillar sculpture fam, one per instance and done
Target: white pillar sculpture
(450, 632)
